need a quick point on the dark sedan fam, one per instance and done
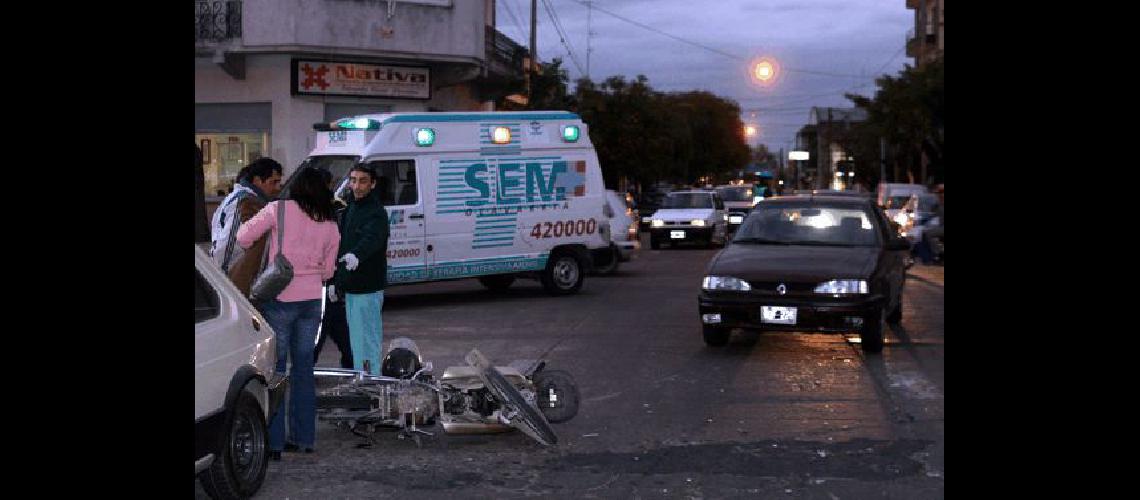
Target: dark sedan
(807, 263)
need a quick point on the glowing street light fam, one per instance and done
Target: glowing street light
(764, 71)
(749, 131)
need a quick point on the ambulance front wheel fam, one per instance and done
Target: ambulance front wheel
(563, 274)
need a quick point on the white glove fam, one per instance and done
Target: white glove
(350, 261)
(332, 293)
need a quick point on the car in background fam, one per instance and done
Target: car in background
(689, 216)
(651, 200)
(919, 210)
(892, 198)
(807, 263)
(738, 201)
(236, 389)
(623, 231)
(833, 192)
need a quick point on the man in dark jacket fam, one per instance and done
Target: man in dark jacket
(362, 267)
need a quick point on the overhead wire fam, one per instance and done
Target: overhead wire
(562, 35)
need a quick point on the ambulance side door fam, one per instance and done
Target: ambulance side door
(401, 192)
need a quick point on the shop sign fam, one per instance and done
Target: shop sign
(314, 77)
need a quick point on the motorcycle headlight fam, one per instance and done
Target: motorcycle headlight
(725, 283)
(697, 222)
(658, 223)
(842, 287)
(901, 218)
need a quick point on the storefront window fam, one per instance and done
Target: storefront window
(224, 155)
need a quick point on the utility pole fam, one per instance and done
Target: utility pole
(882, 160)
(589, 34)
(533, 53)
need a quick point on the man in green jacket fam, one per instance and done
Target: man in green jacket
(362, 268)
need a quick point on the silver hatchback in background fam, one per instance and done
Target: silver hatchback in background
(623, 230)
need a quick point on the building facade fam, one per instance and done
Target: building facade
(828, 164)
(267, 70)
(925, 42)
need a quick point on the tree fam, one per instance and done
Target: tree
(908, 112)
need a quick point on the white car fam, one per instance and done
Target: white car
(738, 201)
(623, 231)
(689, 216)
(235, 387)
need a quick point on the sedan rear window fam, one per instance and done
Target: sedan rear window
(688, 200)
(809, 225)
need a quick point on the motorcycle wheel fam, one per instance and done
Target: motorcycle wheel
(564, 405)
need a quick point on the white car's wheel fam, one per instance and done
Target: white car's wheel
(243, 452)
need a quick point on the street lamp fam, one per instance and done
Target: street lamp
(764, 71)
(749, 131)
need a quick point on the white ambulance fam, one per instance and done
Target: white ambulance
(488, 195)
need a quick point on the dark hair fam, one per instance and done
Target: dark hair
(366, 168)
(311, 192)
(262, 168)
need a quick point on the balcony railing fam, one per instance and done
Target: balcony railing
(504, 56)
(216, 21)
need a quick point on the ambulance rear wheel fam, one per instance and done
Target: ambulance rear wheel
(563, 274)
(497, 283)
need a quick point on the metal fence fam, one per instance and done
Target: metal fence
(217, 20)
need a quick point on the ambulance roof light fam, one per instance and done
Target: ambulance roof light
(356, 124)
(425, 137)
(570, 133)
(501, 135)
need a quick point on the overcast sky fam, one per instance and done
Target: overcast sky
(851, 40)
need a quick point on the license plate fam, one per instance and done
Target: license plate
(677, 235)
(735, 219)
(778, 315)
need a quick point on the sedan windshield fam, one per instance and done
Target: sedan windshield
(688, 200)
(735, 193)
(808, 225)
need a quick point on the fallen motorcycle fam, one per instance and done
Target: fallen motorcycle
(475, 399)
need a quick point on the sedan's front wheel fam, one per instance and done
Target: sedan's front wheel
(716, 336)
(871, 336)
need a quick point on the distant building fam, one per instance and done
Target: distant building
(925, 42)
(266, 70)
(822, 138)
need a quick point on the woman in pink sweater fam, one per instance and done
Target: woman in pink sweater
(311, 238)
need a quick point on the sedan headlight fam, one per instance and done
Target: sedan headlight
(658, 223)
(842, 287)
(697, 222)
(725, 283)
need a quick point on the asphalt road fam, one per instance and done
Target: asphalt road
(662, 415)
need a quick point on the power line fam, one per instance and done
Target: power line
(562, 35)
(518, 24)
(711, 49)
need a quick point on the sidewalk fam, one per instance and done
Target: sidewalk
(931, 273)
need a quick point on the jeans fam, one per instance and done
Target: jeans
(295, 325)
(365, 330)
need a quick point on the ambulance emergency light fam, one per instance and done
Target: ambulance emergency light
(425, 137)
(348, 124)
(570, 133)
(501, 135)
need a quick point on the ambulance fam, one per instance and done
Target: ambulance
(489, 195)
